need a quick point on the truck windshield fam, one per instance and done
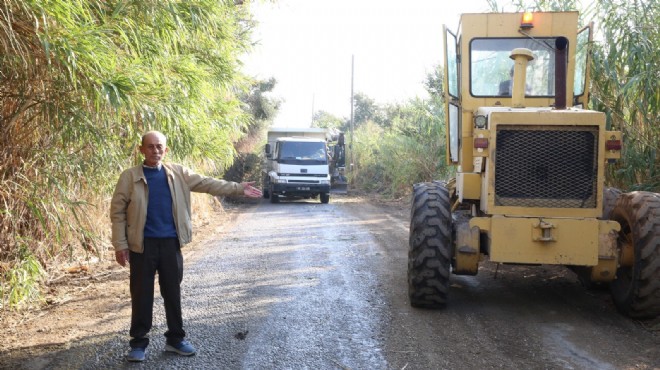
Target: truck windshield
(491, 68)
(302, 152)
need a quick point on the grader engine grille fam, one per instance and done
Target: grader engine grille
(546, 166)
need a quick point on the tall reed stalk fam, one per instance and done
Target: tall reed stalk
(80, 81)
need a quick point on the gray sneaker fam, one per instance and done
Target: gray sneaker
(136, 354)
(183, 348)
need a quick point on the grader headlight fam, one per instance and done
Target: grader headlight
(480, 121)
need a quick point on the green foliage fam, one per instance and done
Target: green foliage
(366, 109)
(323, 119)
(405, 147)
(369, 170)
(20, 285)
(259, 104)
(82, 80)
(262, 109)
(626, 84)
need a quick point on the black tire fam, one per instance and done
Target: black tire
(325, 198)
(266, 192)
(610, 196)
(429, 257)
(274, 198)
(636, 289)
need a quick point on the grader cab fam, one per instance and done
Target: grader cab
(530, 168)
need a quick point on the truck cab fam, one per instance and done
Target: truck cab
(297, 166)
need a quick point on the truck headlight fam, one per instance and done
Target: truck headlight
(324, 182)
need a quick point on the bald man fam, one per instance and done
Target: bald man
(151, 220)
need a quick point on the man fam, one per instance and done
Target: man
(150, 214)
(506, 86)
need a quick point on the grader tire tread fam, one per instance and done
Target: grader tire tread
(430, 240)
(610, 196)
(636, 291)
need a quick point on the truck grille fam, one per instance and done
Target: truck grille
(546, 166)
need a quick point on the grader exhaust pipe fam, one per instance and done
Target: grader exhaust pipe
(520, 56)
(560, 72)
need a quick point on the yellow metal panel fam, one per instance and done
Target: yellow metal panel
(469, 185)
(467, 250)
(478, 24)
(466, 159)
(498, 23)
(574, 241)
(608, 260)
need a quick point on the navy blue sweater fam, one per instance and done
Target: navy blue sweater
(160, 219)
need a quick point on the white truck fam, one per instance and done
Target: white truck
(297, 164)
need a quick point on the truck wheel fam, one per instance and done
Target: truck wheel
(429, 257)
(266, 192)
(636, 289)
(274, 198)
(325, 198)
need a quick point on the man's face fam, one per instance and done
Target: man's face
(154, 149)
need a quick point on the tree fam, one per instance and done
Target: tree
(262, 109)
(260, 105)
(407, 146)
(365, 110)
(323, 119)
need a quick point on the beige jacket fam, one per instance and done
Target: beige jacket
(128, 208)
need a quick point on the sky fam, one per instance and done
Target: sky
(308, 46)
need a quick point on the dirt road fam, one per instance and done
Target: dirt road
(303, 285)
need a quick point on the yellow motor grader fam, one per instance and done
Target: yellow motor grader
(529, 185)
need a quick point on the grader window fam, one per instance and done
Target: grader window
(581, 62)
(491, 67)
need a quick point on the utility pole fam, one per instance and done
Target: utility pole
(352, 128)
(312, 121)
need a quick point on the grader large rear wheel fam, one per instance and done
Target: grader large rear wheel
(429, 257)
(610, 196)
(636, 289)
